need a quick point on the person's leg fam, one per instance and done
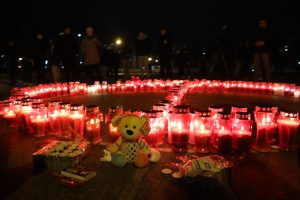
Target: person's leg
(257, 66)
(267, 66)
(55, 73)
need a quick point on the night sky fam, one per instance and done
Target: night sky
(193, 22)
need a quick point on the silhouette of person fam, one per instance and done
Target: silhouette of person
(11, 54)
(165, 53)
(40, 55)
(68, 50)
(184, 62)
(90, 48)
(261, 50)
(54, 60)
(143, 50)
(26, 53)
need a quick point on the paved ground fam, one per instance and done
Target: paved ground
(253, 175)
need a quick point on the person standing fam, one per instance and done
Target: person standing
(261, 50)
(68, 51)
(11, 54)
(143, 49)
(90, 48)
(164, 53)
(40, 56)
(54, 61)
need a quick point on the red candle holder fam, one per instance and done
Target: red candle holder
(113, 131)
(155, 136)
(288, 127)
(77, 121)
(223, 133)
(180, 128)
(9, 114)
(64, 112)
(53, 115)
(266, 126)
(26, 110)
(93, 124)
(242, 132)
(39, 119)
(201, 130)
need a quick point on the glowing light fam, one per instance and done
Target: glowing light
(118, 41)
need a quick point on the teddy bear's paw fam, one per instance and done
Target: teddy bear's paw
(118, 160)
(155, 155)
(141, 160)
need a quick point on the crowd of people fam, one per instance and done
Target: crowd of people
(68, 56)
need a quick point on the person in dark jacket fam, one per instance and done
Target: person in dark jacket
(164, 53)
(40, 55)
(11, 54)
(68, 51)
(261, 50)
(143, 50)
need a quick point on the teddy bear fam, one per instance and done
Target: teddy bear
(131, 147)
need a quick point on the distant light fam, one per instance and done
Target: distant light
(2, 56)
(156, 60)
(20, 59)
(46, 62)
(286, 49)
(118, 41)
(62, 33)
(299, 63)
(19, 66)
(252, 70)
(79, 35)
(149, 59)
(81, 62)
(286, 46)
(203, 53)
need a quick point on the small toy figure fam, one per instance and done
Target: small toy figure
(130, 147)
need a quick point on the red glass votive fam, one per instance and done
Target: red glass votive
(92, 124)
(288, 127)
(180, 128)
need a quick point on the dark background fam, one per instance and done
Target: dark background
(193, 22)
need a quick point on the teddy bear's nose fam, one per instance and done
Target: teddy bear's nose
(129, 132)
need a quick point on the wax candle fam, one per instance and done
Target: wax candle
(155, 136)
(113, 133)
(180, 127)
(241, 140)
(202, 140)
(263, 131)
(288, 126)
(224, 140)
(92, 124)
(76, 121)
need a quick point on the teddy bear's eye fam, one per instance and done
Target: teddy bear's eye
(134, 127)
(126, 126)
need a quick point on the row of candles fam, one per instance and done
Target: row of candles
(135, 84)
(205, 130)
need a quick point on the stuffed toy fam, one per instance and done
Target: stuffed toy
(131, 147)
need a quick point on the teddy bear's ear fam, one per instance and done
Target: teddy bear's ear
(145, 128)
(116, 120)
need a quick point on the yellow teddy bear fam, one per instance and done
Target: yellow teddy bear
(131, 147)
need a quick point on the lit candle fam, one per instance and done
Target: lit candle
(180, 138)
(288, 125)
(76, 121)
(224, 140)
(241, 140)
(263, 131)
(92, 124)
(113, 133)
(202, 139)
